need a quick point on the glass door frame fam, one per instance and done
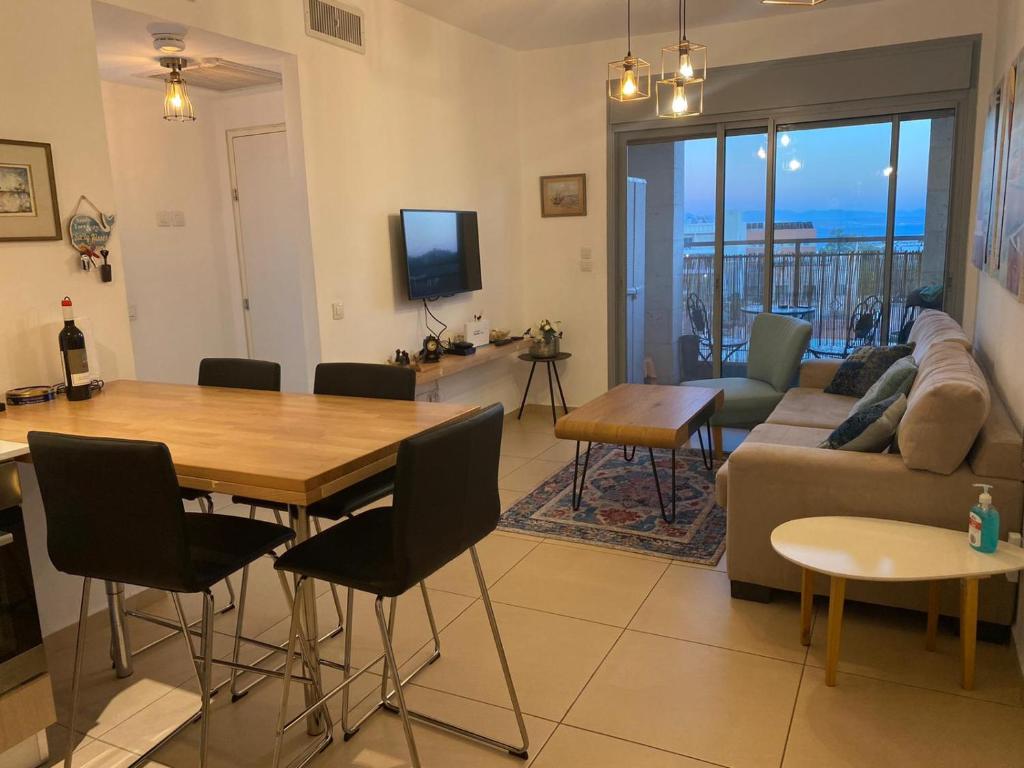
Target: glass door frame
(621, 136)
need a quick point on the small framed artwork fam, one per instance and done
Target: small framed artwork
(564, 195)
(28, 192)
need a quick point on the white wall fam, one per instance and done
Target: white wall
(53, 96)
(999, 324)
(563, 122)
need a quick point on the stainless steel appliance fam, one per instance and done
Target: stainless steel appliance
(21, 644)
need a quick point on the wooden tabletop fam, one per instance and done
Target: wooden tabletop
(276, 446)
(648, 415)
(870, 549)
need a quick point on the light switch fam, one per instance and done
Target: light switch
(586, 253)
(178, 218)
(163, 218)
(338, 310)
(133, 312)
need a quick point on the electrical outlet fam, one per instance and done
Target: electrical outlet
(586, 265)
(586, 259)
(338, 310)
(133, 312)
(178, 218)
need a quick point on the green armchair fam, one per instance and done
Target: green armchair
(777, 343)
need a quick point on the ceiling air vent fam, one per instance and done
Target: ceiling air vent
(335, 23)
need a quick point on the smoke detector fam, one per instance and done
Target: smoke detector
(168, 38)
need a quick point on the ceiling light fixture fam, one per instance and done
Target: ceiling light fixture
(177, 105)
(629, 78)
(805, 3)
(684, 68)
(169, 42)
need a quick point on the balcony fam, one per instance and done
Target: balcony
(835, 283)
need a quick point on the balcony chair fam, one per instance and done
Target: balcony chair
(777, 343)
(861, 329)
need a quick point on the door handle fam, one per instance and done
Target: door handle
(632, 291)
(6, 538)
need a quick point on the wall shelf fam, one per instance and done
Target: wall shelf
(450, 365)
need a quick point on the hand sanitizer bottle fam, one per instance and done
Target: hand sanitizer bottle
(983, 525)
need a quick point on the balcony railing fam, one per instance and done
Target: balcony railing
(821, 279)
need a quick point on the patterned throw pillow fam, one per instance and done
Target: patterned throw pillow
(870, 430)
(864, 367)
(898, 378)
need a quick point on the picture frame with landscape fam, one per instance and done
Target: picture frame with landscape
(28, 192)
(563, 195)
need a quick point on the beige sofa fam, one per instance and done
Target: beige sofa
(956, 432)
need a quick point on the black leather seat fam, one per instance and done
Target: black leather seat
(114, 512)
(388, 550)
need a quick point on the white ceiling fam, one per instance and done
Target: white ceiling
(527, 24)
(124, 46)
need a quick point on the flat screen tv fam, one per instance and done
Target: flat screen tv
(442, 252)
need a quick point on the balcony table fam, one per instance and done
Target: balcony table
(799, 311)
(284, 447)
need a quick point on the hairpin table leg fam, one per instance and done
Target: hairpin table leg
(577, 496)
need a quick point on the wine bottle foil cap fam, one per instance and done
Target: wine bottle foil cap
(66, 301)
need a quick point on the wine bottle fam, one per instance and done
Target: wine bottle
(73, 356)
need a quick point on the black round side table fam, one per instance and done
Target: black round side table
(550, 363)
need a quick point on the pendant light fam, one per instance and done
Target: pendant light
(684, 68)
(629, 78)
(804, 3)
(177, 104)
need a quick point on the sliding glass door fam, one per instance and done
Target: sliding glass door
(843, 224)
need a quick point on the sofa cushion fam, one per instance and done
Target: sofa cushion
(999, 449)
(804, 407)
(863, 368)
(769, 434)
(747, 401)
(870, 429)
(946, 409)
(897, 380)
(932, 326)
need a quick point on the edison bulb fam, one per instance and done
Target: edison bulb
(685, 66)
(761, 153)
(629, 82)
(176, 101)
(679, 104)
(795, 165)
(784, 139)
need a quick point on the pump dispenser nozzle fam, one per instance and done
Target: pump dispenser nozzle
(985, 499)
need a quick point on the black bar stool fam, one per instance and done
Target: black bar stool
(114, 512)
(385, 382)
(387, 550)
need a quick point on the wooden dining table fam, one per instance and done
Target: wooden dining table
(274, 446)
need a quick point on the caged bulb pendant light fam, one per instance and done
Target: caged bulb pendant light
(804, 3)
(177, 105)
(629, 78)
(684, 68)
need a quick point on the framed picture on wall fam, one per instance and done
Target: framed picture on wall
(564, 195)
(983, 220)
(28, 192)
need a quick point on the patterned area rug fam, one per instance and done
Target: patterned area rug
(620, 506)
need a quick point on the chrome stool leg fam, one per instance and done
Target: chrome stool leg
(206, 683)
(392, 663)
(76, 673)
(334, 591)
(206, 506)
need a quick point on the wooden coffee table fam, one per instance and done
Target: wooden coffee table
(888, 550)
(642, 415)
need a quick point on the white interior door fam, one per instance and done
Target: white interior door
(266, 227)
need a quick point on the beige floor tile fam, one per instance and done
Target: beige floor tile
(563, 451)
(587, 546)
(508, 497)
(708, 703)
(498, 553)
(551, 658)
(89, 753)
(694, 604)
(536, 418)
(582, 583)
(572, 748)
(863, 722)
(509, 464)
(889, 645)
(526, 444)
(380, 743)
(530, 475)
